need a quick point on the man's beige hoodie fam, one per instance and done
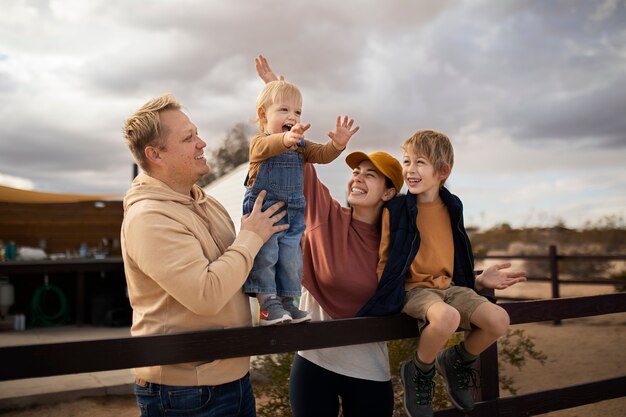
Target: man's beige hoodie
(185, 269)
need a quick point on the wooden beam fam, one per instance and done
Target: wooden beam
(101, 355)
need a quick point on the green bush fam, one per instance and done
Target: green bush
(515, 348)
(273, 396)
(621, 277)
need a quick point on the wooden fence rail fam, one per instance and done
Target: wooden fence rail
(29, 361)
(553, 258)
(83, 268)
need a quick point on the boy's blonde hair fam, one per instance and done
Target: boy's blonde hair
(434, 146)
(143, 128)
(274, 92)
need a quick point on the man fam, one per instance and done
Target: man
(184, 266)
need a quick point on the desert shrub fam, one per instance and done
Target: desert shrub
(620, 276)
(568, 268)
(273, 396)
(515, 348)
(609, 233)
(582, 268)
(533, 268)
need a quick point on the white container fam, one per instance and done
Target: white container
(19, 323)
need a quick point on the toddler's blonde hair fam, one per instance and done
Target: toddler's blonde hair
(273, 92)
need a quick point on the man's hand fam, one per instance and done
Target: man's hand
(262, 222)
(494, 277)
(264, 70)
(343, 132)
(295, 135)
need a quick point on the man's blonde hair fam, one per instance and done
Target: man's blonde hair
(144, 129)
(434, 146)
(274, 92)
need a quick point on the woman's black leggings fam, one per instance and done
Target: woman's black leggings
(315, 392)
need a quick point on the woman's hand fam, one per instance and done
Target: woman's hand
(264, 70)
(343, 132)
(494, 277)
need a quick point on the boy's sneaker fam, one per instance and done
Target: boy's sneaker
(418, 390)
(460, 377)
(272, 312)
(297, 315)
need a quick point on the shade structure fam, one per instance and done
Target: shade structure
(16, 195)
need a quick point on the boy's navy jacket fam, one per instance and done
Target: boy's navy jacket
(404, 242)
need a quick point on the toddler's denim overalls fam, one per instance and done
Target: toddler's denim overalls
(277, 267)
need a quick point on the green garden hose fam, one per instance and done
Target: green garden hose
(42, 318)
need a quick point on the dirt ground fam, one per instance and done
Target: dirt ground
(579, 350)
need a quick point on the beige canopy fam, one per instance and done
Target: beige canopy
(15, 195)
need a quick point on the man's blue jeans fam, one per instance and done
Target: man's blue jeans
(233, 399)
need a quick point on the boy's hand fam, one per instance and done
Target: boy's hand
(343, 131)
(295, 135)
(264, 70)
(494, 277)
(262, 222)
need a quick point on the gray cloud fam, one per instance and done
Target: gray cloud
(521, 76)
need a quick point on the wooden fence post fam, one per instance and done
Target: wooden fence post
(554, 275)
(489, 374)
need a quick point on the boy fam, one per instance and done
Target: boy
(277, 157)
(424, 235)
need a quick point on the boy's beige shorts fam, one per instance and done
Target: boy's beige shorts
(465, 300)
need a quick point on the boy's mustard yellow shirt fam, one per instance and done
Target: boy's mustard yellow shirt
(434, 263)
(264, 146)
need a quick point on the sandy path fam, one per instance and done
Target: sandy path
(579, 351)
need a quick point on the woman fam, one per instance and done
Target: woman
(340, 255)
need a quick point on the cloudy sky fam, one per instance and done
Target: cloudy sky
(532, 93)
